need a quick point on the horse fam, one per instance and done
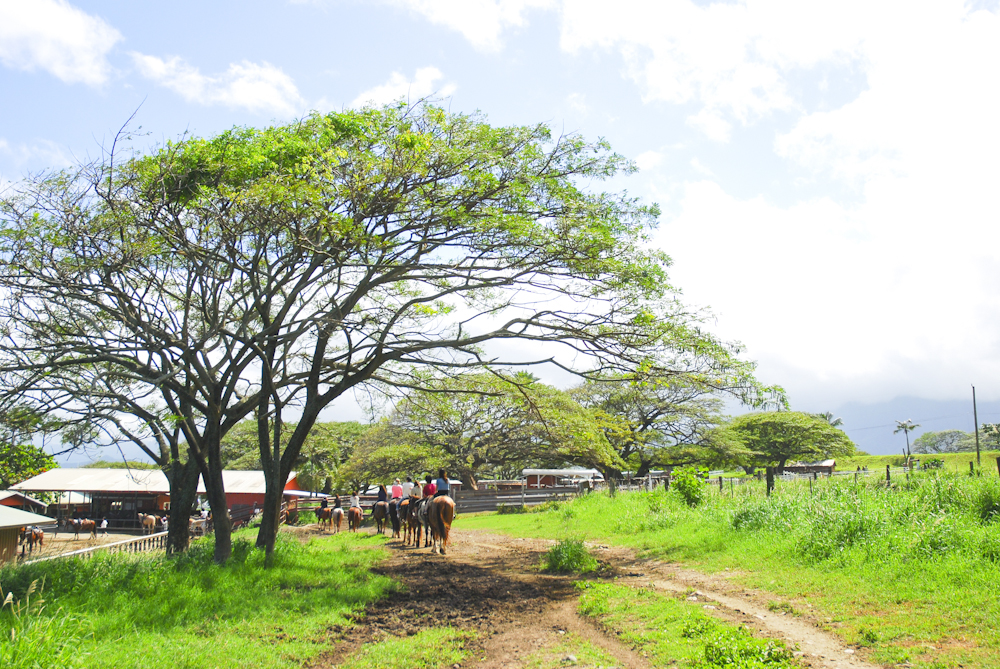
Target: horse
(337, 518)
(324, 516)
(424, 520)
(31, 536)
(402, 518)
(354, 516)
(413, 523)
(197, 526)
(394, 519)
(148, 522)
(380, 512)
(440, 514)
(72, 524)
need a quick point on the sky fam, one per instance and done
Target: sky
(827, 171)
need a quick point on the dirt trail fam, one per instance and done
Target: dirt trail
(491, 584)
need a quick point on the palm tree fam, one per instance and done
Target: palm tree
(906, 426)
(828, 417)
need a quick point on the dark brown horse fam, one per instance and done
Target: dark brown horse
(31, 536)
(401, 513)
(324, 516)
(354, 517)
(380, 512)
(440, 515)
(413, 523)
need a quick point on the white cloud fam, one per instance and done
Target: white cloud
(261, 88)
(578, 103)
(649, 160)
(42, 154)
(54, 36)
(481, 21)
(399, 87)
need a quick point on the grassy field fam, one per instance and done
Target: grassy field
(141, 611)
(912, 571)
(953, 462)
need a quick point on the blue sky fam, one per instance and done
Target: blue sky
(827, 171)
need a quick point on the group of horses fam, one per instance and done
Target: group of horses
(430, 517)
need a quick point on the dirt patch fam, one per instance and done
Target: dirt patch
(492, 584)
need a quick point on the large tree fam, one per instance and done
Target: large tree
(665, 424)
(268, 272)
(945, 441)
(775, 437)
(489, 421)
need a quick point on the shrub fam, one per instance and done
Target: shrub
(504, 509)
(689, 485)
(569, 555)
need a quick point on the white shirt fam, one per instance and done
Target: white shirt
(354, 500)
(406, 489)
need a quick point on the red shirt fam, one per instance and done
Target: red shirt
(430, 489)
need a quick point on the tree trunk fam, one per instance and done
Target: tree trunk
(183, 478)
(469, 481)
(221, 523)
(270, 518)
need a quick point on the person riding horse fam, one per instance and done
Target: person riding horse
(442, 484)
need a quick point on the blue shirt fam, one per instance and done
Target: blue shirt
(442, 485)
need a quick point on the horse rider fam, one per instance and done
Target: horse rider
(336, 501)
(397, 495)
(407, 486)
(443, 487)
(429, 487)
(383, 496)
(322, 503)
(354, 499)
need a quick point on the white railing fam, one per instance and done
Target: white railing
(150, 542)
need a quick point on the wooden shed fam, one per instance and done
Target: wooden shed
(11, 522)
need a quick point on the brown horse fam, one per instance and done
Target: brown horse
(31, 536)
(324, 516)
(148, 523)
(77, 525)
(380, 512)
(412, 522)
(337, 518)
(354, 516)
(440, 515)
(424, 521)
(401, 519)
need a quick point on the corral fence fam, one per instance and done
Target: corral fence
(150, 542)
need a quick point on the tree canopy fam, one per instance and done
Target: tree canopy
(945, 441)
(264, 273)
(775, 437)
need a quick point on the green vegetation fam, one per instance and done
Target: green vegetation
(919, 561)
(571, 645)
(143, 611)
(954, 462)
(434, 648)
(677, 632)
(689, 485)
(569, 555)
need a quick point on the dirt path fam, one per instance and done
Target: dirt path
(492, 584)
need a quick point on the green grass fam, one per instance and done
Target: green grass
(433, 648)
(556, 656)
(675, 632)
(144, 611)
(569, 555)
(953, 462)
(918, 562)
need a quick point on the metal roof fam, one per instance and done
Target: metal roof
(139, 481)
(567, 473)
(10, 517)
(5, 494)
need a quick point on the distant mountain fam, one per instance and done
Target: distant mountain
(870, 426)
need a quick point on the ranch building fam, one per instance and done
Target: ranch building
(823, 468)
(121, 494)
(12, 521)
(18, 500)
(550, 478)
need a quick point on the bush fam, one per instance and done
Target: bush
(569, 555)
(505, 509)
(689, 485)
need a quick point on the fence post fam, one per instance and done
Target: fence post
(720, 485)
(523, 483)
(888, 478)
(810, 486)
(972, 469)
(998, 465)
(770, 480)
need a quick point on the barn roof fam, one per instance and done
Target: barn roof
(7, 494)
(139, 481)
(10, 517)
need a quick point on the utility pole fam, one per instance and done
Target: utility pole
(975, 417)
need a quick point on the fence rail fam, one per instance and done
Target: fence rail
(150, 542)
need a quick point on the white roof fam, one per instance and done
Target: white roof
(144, 481)
(10, 517)
(568, 473)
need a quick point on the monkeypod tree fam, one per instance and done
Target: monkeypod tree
(775, 437)
(265, 273)
(492, 420)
